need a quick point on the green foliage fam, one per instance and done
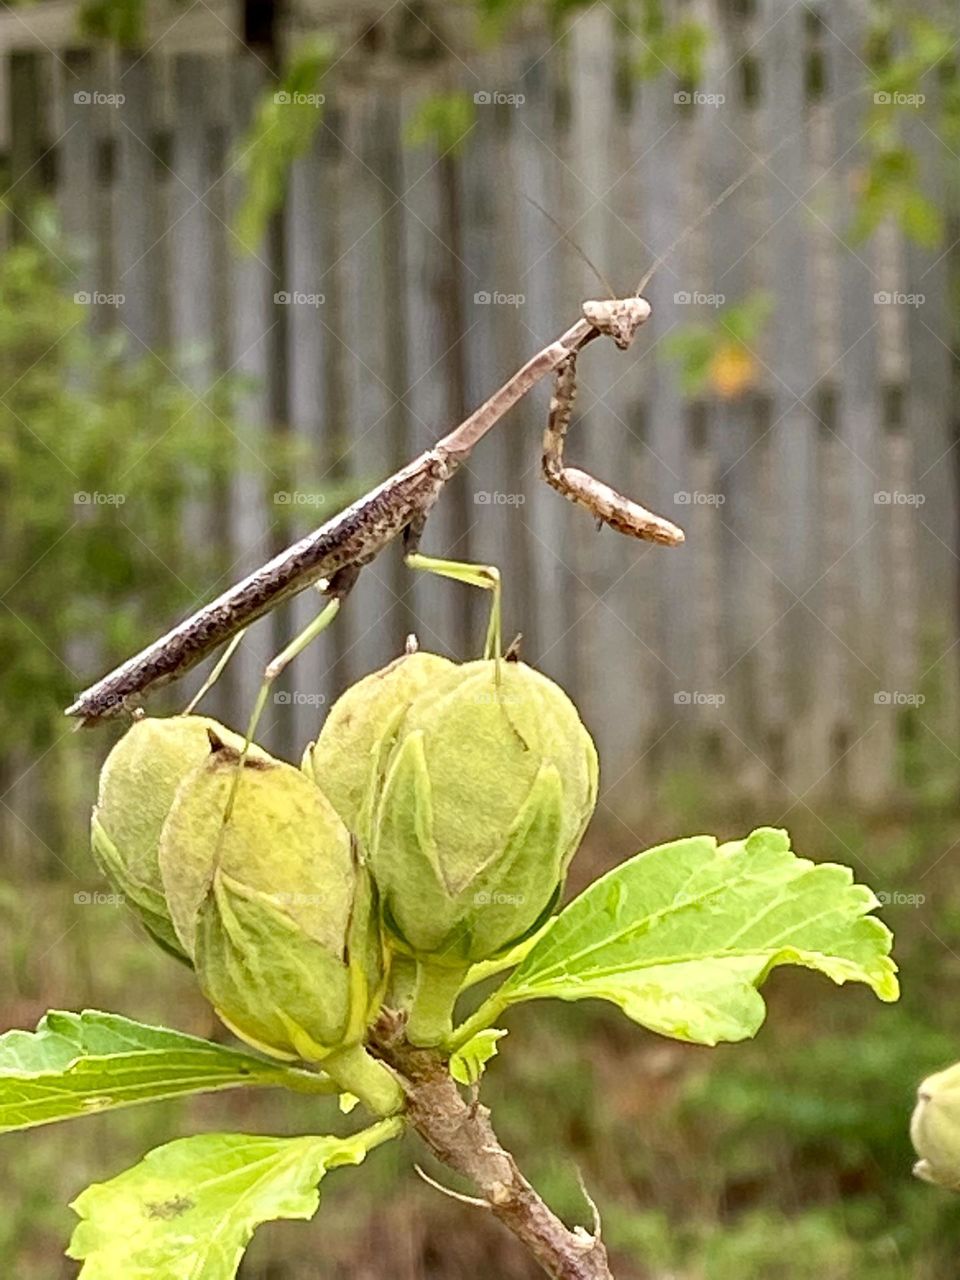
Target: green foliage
(189, 1208)
(672, 45)
(798, 1135)
(122, 22)
(102, 450)
(891, 189)
(717, 356)
(284, 125)
(467, 1063)
(81, 1064)
(912, 60)
(677, 47)
(681, 936)
(442, 121)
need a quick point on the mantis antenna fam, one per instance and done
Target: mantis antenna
(728, 191)
(578, 249)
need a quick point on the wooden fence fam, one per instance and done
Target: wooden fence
(806, 634)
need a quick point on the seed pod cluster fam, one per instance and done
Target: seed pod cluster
(434, 818)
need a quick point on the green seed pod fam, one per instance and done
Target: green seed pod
(271, 906)
(137, 785)
(935, 1129)
(343, 760)
(485, 797)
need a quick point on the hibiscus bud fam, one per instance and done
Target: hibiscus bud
(344, 759)
(486, 794)
(137, 785)
(277, 916)
(935, 1129)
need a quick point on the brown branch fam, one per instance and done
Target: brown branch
(460, 1135)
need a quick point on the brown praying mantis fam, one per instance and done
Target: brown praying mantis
(332, 556)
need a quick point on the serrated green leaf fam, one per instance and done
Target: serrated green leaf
(188, 1209)
(78, 1064)
(681, 937)
(468, 1063)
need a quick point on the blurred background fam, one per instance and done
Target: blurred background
(254, 256)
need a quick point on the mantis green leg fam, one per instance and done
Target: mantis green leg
(273, 669)
(337, 588)
(486, 576)
(215, 674)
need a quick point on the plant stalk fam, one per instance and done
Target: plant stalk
(459, 1134)
(355, 1071)
(431, 1016)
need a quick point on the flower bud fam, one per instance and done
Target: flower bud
(485, 797)
(137, 785)
(344, 759)
(271, 906)
(935, 1129)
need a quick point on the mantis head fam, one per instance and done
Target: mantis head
(620, 318)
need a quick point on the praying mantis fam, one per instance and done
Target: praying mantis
(332, 557)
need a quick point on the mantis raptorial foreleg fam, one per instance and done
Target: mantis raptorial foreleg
(604, 503)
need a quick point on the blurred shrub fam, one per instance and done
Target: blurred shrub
(105, 456)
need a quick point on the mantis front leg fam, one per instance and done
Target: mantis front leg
(604, 503)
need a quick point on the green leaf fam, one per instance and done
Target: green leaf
(188, 1209)
(681, 937)
(287, 117)
(467, 1064)
(485, 969)
(77, 1064)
